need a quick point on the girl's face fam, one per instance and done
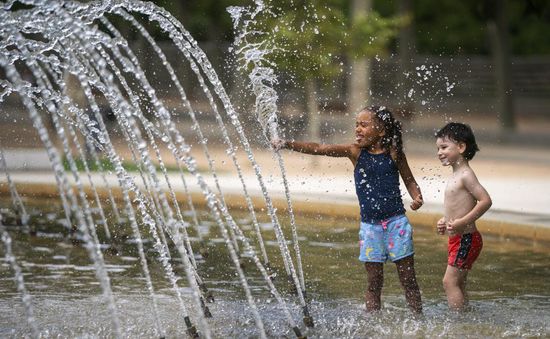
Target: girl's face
(449, 152)
(368, 130)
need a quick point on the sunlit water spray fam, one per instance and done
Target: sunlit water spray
(255, 59)
(72, 49)
(65, 62)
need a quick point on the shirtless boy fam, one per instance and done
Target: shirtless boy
(465, 202)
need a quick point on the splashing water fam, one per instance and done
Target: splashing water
(263, 78)
(66, 62)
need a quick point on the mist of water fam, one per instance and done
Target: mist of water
(66, 62)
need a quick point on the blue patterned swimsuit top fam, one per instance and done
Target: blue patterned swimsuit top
(377, 187)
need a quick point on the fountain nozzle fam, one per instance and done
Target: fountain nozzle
(298, 333)
(308, 319)
(191, 330)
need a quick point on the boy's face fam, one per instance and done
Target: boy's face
(449, 151)
(367, 129)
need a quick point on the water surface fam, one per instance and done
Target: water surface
(508, 286)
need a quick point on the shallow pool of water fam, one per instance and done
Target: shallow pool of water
(508, 287)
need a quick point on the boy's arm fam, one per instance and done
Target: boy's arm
(484, 202)
(410, 182)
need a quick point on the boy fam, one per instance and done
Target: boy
(465, 201)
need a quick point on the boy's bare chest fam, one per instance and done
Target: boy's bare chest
(454, 188)
(458, 200)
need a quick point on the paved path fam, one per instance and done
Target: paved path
(520, 189)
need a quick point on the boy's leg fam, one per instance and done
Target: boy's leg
(463, 289)
(454, 283)
(375, 281)
(407, 276)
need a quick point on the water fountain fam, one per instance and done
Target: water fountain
(131, 240)
(55, 52)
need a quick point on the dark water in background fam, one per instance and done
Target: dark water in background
(509, 286)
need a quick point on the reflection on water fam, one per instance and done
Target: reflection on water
(508, 287)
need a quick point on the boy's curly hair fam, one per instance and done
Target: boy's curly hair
(459, 132)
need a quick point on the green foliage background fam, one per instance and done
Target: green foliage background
(442, 26)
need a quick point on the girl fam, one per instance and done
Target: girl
(385, 233)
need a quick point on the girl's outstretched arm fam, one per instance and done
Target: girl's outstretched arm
(331, 150)
(410, 182)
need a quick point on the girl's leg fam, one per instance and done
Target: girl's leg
(454, 283)
(375, 280)
(407, 277)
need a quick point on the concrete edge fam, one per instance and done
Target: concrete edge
(426, 220)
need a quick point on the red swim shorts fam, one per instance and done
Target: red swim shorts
(464, 249)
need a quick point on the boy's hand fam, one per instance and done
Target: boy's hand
(278, 144)
(417, 203)
(455, 226)
(441, 226)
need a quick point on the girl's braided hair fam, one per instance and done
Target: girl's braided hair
(393, 138)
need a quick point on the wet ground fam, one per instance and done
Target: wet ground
(508, 287)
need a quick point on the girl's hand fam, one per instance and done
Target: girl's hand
(417, 203)
(278, 144)
(441, 226)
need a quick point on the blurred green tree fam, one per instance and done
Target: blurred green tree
(313, 37)
(460, 27)
(501, 28)
(370, 35)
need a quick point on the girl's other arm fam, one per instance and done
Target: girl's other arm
(410, 182)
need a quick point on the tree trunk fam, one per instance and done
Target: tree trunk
(359, 77)
(407, 51)
(498, 31)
